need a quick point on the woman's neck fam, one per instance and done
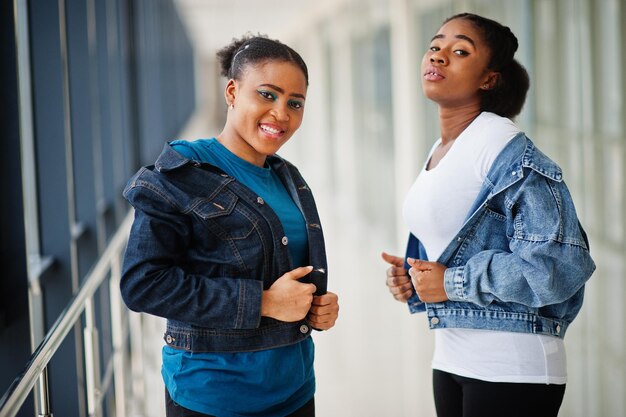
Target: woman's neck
(240, 147)
(453, 122)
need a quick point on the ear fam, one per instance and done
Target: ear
(490, 81)
(230, 92)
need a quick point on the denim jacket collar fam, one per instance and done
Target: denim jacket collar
(170, 160)
(508, 168)
(502, 174)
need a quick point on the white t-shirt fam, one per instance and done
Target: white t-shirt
(435, 209)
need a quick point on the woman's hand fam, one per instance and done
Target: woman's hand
(324, 311)
(428, 280)
(398, 280)
(288, 299)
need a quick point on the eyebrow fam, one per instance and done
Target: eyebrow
(464, 37)
(281, 91)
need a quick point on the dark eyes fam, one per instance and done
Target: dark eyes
(268, 95)
(459, 52)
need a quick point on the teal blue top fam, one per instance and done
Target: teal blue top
(273, 382)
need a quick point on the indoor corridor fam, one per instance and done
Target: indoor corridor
(93, 89)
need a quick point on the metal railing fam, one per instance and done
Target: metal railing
(106, 270)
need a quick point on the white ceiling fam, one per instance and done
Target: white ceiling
(212, 24)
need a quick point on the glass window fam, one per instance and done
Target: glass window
(374, 125)
(607, 59)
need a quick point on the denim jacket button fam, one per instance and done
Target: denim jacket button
(284, 240)
(434, 321)
(260, 200)
(304, 329)
(558, 329)
(168, 339)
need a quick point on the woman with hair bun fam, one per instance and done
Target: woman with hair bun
(227, 246)
(496, 255)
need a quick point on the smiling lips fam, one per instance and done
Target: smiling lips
(271, 130)
(433, 74)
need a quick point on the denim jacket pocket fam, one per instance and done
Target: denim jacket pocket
(226, 216)
(233, 233)
(220, 205)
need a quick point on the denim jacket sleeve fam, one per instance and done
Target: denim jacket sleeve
(154, 279)
(547, 259)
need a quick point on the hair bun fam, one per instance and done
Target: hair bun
(252, 49)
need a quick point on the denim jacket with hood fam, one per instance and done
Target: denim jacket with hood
(521, 259)
(203, 247)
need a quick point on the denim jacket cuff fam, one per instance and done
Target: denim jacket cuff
(415, 304)
(249, 304)
(453, 282)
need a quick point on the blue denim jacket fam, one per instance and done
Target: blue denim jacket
(203, 247)
(521, 259)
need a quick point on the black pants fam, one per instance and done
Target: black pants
(457, 396)
(174, 410)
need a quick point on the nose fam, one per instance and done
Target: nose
(280, 113)
(438, 58)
